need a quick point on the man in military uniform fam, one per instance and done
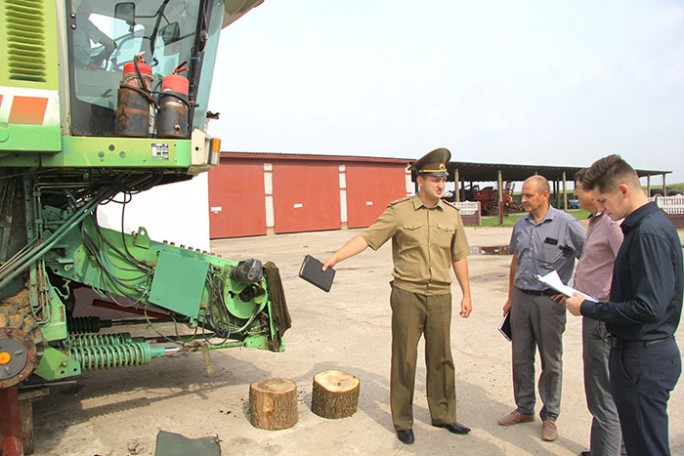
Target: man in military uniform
(428, 240)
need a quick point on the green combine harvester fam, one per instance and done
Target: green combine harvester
(99, 101)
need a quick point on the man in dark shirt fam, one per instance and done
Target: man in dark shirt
(644, 309)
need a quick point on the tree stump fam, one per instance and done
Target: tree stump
(335, 394)
(273, 404)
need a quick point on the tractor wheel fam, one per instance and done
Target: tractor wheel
(492, 207)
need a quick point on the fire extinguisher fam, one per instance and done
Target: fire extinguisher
(136, 106)
(174, 107)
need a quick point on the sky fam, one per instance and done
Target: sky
(549, 82)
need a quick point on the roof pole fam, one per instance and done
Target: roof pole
(457, 185)
(565, 195)
(500, 183)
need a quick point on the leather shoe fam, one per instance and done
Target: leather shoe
(454, 428)
(515, 417)
(585, 453)
(549, 431)
(406, 436)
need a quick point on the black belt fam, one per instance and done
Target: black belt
(616, 342)
(547, 292)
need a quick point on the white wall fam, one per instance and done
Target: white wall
(175, 212)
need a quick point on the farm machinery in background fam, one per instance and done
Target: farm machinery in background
(488, 197)
(99, 101)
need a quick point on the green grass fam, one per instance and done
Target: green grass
(679, 186)
(510, 219)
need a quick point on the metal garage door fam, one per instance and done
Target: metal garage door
(236, 200)
(306, 197)
(369, 189)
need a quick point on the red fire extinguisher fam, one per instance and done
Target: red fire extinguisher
(172, 120)
(136, 106)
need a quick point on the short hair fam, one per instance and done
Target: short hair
(541, 184)
(608, 172)
(579, 175)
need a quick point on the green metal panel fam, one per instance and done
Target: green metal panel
(178, 283)
(54, 327)
(30, 138)
(28, 34)
(29, 71)
(260, 342)
(55, 364)
(116, 152)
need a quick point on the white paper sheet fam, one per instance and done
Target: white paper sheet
(553, 280)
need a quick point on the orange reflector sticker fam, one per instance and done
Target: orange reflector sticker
(28, 110)
(5, 358)
(215, 145)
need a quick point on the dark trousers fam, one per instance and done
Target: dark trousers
(413, 316)
(642, 378)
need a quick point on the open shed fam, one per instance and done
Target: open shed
(469, 172)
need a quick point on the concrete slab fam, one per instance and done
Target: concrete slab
(119, 412)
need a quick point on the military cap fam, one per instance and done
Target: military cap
(433, 163)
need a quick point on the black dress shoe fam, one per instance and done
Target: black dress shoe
(585, 453)
(455, 427)
(406, 436)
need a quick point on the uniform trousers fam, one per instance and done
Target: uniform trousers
(606, 437)
(642, 377)
(414, 315)
(537, 322)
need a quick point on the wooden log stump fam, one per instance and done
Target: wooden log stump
(335, 394)
(273, 404)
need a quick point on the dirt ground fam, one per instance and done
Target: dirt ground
(120, 412)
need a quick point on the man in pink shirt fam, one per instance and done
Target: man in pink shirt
(593, 277)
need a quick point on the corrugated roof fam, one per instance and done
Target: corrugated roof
(317, 157)
(467, 171)
(484, 172)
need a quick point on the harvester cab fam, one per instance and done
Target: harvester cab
(139, 45)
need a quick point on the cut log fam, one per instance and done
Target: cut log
(335, 394)
(273, 404)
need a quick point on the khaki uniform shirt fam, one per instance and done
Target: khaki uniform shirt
(425, 243)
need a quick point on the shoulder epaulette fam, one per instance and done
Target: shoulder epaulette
(450, 204)
(400, 200)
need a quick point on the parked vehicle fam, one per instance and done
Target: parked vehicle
(658, 191)
(488, 198)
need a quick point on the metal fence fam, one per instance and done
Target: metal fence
(470, 212)
(468, 207)
(673, 205)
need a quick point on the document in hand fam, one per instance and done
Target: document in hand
(505, 327)
(312, 272)
(553, 280)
